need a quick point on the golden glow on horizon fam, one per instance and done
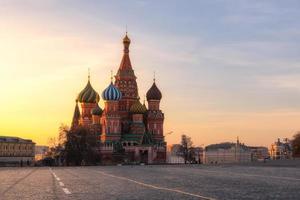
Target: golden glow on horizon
(40, 78)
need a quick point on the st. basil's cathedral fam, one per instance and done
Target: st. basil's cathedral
(124, 122)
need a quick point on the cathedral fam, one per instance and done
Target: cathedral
(127, 130)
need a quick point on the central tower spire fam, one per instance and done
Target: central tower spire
(125, 80)
(125, 62)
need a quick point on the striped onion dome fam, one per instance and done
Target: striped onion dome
(138, 108)
(97, 111)
(111, 93)
(88, 95)
(154, 93)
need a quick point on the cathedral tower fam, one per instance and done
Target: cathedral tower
(125, 81)
(155, 117)
(88, 99)
(111, 120)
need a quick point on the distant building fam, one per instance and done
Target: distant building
(281, 150)
(227, 153)
(16, 151)
(40, 152)
(198, 154)
(259, 153)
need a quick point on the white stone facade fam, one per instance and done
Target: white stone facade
(235, 154)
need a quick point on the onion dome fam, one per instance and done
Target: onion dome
(138, 108)
(88, 95)
(97, 111)
(126, 43)
(126, 39)
(153, 93)
(111, 93)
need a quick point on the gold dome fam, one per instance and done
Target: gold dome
(138, 108)
(126, 39)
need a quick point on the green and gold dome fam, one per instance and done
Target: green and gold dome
(97, 111)
(88, 95)
(138, 108)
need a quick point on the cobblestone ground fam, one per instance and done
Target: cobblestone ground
(151, 182)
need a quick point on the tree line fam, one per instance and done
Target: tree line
(81, 147)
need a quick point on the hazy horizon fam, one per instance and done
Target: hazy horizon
(225, 68)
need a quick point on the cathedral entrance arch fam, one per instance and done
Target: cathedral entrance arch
(144, 156)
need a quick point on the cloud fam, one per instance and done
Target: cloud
(283, 82)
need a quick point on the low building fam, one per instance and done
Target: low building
(16, 151)
(281, 150)
(40, 152)
(259, 153)
(227, 153)
(197, 154)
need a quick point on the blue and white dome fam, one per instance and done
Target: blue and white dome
(111, 93)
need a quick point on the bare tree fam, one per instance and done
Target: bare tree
(56, 144)
(186, 144)
(296, 145)
(62, 134)
(52, 142)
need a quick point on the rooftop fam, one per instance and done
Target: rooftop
(224, 145)
(14, 139)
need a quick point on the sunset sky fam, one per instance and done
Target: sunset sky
(225, 68)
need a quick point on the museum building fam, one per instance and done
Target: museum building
(16, 151)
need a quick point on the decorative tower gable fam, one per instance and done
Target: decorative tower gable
(76, 117)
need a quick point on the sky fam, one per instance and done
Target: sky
(226, 68)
